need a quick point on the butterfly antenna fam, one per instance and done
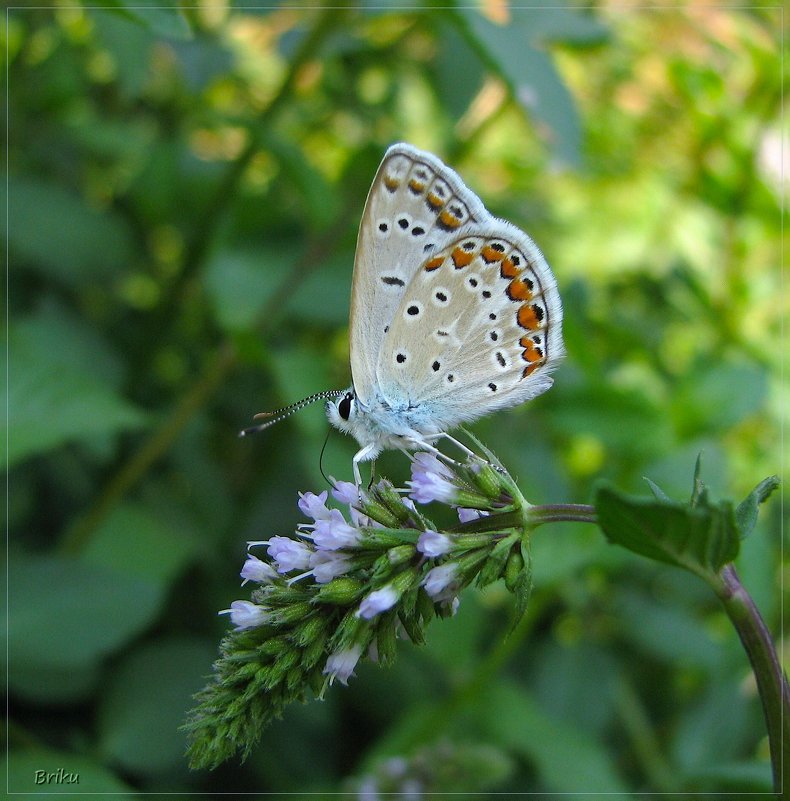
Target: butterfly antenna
(280, 414)
(321, 458)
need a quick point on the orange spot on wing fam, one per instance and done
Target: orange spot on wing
(529, 369)
(532, 353)
(434, 263)
(490, 254)
(507, 269)
(461, 258)
(391, 183)
(434, 201)
(527, 318)
(448, 219)
(416, 185)
(518, 290)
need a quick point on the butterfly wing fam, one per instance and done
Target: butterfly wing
(415, 208)
(478, 328)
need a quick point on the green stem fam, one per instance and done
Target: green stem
(771, 681)
(561, 513)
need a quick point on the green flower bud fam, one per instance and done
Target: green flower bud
(386, 641)
(313, 651)
(342, 591)
(487, 479)
(494, 565)
(293, 613)
(392, 501)
(294, 678)
(405, 580)
(513, 568)
(308, 630)
(400, 554)
(377, 511)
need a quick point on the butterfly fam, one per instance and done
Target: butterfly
(455, 313)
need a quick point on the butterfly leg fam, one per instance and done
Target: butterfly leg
(361, 456)
(424, 445)
(457, 443)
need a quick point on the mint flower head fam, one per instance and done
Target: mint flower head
(365, 567)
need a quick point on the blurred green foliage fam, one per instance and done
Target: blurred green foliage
(184, 188)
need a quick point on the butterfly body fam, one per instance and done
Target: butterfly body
(454, 313)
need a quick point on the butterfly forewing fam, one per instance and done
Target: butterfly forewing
(478, 327)
(415, 209)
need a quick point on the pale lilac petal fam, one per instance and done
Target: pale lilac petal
(440, 582)
(328, 565)
(256, 570)
(246, 615)
(313, 505)
(289, 554)
(345, 491)
(466, 515)
(431, 480)
(334, 532)
(377, 601)
(340, 665)
(433, 544)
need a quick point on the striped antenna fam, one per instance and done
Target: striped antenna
(280, 414)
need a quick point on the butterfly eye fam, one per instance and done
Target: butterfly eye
(344, 407)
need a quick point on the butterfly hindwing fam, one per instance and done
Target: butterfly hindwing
(415, 208)
(478, 327)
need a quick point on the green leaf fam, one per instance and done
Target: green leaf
(136, 542)
(458, 71)
(719, 396)
(558, 24)
(746, 512)
(143, 705)
(55, 231)
(567, 758)
(628, 421)
(160, 19)
(669, 631)
(53, 400)
(66, 616)
(701, 539)
(658, 493)
(240, 283)
(699, 492)
(534, 82)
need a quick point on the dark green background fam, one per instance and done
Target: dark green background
(184, 190)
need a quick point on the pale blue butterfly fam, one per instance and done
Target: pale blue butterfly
(454, 313)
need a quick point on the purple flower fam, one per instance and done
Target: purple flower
(256, 570)
(465, 515)
(334, 532)
(431, 480)
(341, 664)
(327, 565)
(378, 601)
(289, 554)
(433, 544)
(313, 505)
(246, 615)
(345, 491)
(440, 582)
